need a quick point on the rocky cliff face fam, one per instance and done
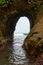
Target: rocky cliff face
(34, 41)
(10, 13)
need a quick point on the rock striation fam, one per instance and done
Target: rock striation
(34, 41)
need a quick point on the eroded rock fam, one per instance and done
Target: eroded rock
(34, 42)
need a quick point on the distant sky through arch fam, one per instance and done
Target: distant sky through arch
(22, 26)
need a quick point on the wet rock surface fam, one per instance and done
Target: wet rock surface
(39, 60)
(5, 43)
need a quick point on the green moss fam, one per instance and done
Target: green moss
(2, 1)
(5, 2)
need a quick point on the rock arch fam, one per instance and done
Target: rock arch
(31, 9)
(11, 22)
(10, 14)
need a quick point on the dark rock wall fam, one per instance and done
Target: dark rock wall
(9, 14)
(34, 41)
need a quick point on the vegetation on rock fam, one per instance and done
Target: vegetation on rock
(5, 1)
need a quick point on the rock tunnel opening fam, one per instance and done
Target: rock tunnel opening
(13, 19)
(22, 27)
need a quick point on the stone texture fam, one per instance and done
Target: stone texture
(34, 41)
(9, 14)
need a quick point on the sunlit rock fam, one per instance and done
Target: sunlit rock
(34, 42)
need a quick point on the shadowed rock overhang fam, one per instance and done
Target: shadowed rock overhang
(10, 13)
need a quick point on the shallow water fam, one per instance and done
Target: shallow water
(14, 54)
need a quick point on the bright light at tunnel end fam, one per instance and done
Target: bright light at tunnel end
(22, 26)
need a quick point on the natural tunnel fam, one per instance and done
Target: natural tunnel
(11, 22)
(9, 15)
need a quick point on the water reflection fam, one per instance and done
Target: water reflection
(14, 54)
(18, 54)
